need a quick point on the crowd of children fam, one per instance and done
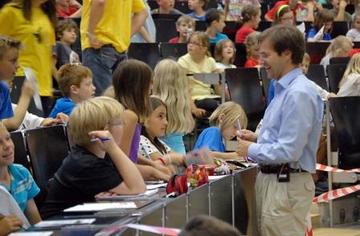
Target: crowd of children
(135, 132)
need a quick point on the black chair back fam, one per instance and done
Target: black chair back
(21, 156)
(339, 60)
(240, 57)
(170, 50)
(335, 73)
(165, 29)
(339, 28)
(316, 50)
(316, 73)
(146, 52)
(245, 89)
(345, 112)
(47, 149)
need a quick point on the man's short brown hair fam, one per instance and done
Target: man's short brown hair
(285, 38)
(71, 74)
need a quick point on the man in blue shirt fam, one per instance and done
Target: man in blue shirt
(286, 146)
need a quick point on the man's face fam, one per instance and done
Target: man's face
(274, 64)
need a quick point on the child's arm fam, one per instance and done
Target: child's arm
(197, 112)
(130, 120)
(27, 92)
(146, 36)
(32, 212)
(157, 165)
(132, 183)
(151, 173)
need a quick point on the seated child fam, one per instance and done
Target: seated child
(185, 25)
(339, 47)
(66, 32)
(75, 83)
(17, 179)
(252, 50)
(154, 127)
(322, 27)
(172, 86)
(198, 9)
(95, 164)
(197, 60)
(215, 23)
(9, 53)
(249, 22)
(226, 121)
(350, 83)
(354, 33)
(224, 54)
(166, 7)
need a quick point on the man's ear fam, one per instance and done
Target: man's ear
(287, 53)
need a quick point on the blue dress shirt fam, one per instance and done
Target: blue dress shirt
(291, 125)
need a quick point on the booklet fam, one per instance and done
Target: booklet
(59, 223)
(99, 206)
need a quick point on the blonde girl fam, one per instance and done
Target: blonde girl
(172, 86)
(354, 33)
(198, 60)
(339, 47)
(250, 19)
(350, 83)
(226, 121)
(155, 126)
(224, 54)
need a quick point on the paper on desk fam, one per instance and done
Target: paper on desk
(44, 233)
(98, 206)
(145, 195)
(53, 223)
(155, 186)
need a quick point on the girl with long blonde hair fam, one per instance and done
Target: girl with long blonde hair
(172, 86)
(350, 83)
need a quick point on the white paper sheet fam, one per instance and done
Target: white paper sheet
(101, 206)
(44, 233)
(53, 223)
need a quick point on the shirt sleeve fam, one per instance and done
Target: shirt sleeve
(295, 127)
(210, 138)
(5, 109)
(31, 186)
(137, 6)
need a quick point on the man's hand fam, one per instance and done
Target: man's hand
(94, 42)
(243, 147)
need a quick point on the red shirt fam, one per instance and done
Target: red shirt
(174, 40)
(61, 12)
(242, 33)
(272, 12)
(251, 62)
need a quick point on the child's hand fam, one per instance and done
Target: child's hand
(198, 112)
(103, 138)
(247, 135)
(10, 224)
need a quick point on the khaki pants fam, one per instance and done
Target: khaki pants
(282, 208)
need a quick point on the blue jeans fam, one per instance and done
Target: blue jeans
(102, 62)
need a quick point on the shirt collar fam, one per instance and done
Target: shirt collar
(287, 79)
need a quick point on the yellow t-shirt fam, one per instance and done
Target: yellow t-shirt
(37, 38)
(115, 26)
(199, 90)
